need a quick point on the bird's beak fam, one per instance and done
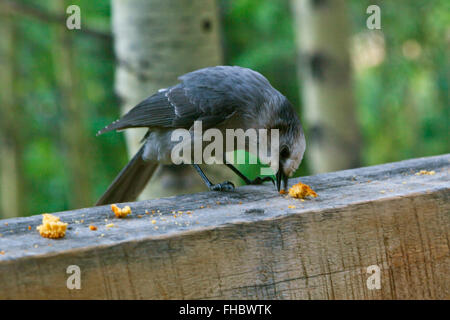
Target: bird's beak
(281, 176)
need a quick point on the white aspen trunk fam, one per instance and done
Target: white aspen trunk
(155, 42)
(333, 139)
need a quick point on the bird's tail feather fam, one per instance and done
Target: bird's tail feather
(130, 182)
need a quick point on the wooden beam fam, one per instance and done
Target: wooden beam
(383, 215)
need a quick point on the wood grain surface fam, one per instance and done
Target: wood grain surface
(250, 244)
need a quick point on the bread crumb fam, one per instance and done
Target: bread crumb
(52, 227)
(110, 225)
(120, 213)
(93, 228)
(425, 172)
(301, 191)
(2, 252)
(291, 207)
(153, 221)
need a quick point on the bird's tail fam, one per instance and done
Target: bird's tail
(130, 182)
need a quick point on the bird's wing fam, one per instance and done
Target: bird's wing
(176, 107)
(213, 93)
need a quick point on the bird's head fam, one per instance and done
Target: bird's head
(292, 144)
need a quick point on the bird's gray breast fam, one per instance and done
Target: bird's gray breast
(158, 146)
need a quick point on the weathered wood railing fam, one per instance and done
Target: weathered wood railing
(251, 243)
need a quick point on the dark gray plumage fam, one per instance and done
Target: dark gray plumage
(221, 97)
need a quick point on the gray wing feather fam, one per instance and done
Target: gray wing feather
(214, 93)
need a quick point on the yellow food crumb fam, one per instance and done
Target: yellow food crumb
(2, 252)
(51, 227)
(153, 221)
(93, 228)
(425, 172)
(282, 191)
(120, 213)
(301, 191)
(291, 207)
(201, 207)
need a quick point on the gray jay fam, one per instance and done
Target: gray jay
(221, 97)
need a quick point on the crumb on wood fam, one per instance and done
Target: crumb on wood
(121, 213)
(52, 227)
(301, 191)
(425, 172)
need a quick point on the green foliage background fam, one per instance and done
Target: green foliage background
(402, 103)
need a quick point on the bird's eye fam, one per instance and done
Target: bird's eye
(285, 153)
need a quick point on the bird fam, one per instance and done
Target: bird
(222, 97)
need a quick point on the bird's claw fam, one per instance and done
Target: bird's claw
(259, 180)
(224, 186)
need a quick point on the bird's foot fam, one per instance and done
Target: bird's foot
(259, 180)
(224, 186)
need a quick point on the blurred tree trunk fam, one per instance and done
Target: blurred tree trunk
(155, 42)
(12, 180)
(73, 133)
(333, 139)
